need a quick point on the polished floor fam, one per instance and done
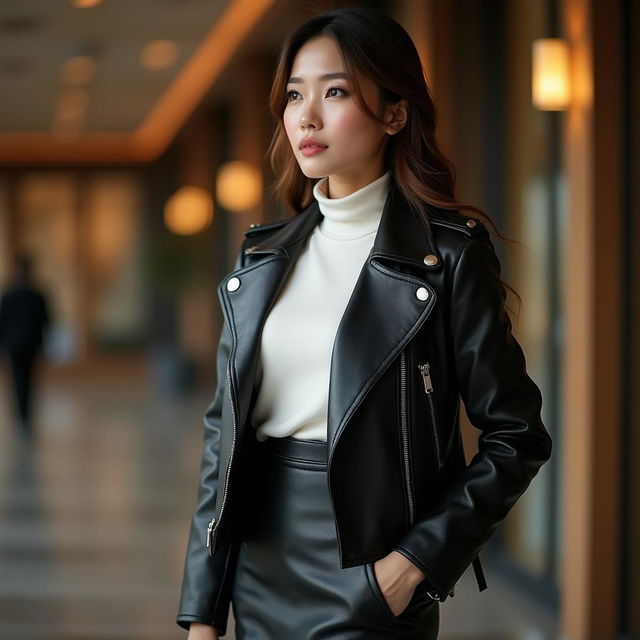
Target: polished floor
(94, 515)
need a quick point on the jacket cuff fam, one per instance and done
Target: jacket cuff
(206, 588)
(184, 620)
(433, 590)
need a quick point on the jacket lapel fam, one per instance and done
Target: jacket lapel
(384, 311)
(247, 307)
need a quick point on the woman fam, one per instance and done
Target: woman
(334, 500)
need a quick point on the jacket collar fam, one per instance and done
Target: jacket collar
(383, 312)
(401, 235)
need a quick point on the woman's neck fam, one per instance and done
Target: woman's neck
(355, 215)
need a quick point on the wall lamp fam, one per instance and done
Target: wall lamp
(550, 83)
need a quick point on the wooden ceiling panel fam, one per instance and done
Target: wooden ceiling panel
(131, 113)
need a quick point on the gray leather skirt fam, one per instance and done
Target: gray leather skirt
(288, 581)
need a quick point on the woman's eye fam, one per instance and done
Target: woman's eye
(292, 94)
(336, 89)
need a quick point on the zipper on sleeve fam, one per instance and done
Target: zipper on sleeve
(428, 389)
(210, 535)
(404, 428)
(214, 525)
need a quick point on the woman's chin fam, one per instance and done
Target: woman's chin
(309, 172)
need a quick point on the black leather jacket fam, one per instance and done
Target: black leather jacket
(425, 326)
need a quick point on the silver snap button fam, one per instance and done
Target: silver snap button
(430, 260)
(233, 284)
(422, 293)
(471, 223)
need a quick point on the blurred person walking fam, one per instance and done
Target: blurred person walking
(24, 318)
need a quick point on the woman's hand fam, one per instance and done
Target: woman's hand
(198, 631)
(397, 578)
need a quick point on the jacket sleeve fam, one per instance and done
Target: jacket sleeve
(503, 402)
(202, 597)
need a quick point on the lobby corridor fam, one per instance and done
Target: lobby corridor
(94, 517)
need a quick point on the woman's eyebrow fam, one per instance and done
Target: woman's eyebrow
(326, 76)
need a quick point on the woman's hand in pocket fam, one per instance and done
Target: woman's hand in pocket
(397, 578)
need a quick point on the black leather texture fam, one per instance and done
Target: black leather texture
(288, 581)
(396, 471)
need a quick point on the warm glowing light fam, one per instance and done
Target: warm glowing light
(239, 185)
(550, 89)
(188, 211)
(159, 54)
(77, 71)
(85, 4)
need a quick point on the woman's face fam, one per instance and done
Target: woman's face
(321, 105)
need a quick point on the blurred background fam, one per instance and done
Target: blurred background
(133, 139)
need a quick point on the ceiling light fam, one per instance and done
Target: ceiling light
(85, 4)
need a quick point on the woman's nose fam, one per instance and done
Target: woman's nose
(309, 117)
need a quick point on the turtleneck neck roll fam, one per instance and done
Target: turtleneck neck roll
(355, 215)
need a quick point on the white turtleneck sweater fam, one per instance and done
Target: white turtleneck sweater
(298, 334)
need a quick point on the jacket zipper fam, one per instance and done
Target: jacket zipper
(405, 436)
(428, 388)
(214, 525)
(434, 595)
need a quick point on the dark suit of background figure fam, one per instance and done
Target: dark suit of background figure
(24, 317)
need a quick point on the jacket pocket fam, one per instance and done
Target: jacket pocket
(377, 591)
(431, 410)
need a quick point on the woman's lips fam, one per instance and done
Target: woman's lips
(312, 150)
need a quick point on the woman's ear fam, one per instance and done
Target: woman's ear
(396, 116)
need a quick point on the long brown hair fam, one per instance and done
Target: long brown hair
(377, 46)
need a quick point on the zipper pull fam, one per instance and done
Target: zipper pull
(426, 376)
(210, 536)
(434, 595)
